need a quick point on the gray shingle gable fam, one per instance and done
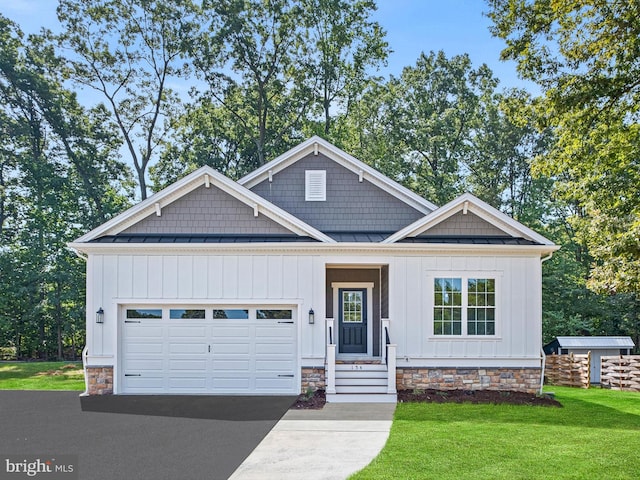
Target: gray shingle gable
(351, 205)
(207, 210)
(459, 224)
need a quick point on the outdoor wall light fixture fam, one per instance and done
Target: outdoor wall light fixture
(100, 315)
(312, 316)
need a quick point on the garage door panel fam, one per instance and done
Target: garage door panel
(237, 331)
(136, 364)
(226, 364)
(220, 356)
(273, 348)
(150, 383)
(192, 365)
(187, 331)
(143, 331)
(143, 348)
(231, 348)
(276, 331)
(231, 384)
(188, 348)
(275, 384)
(188, 383)
(275, 365)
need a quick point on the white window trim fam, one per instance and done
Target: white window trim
(465, 276)
(309, 194)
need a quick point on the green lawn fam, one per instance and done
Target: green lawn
(595, 436)
(41, 376)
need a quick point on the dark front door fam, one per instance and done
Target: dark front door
(352, 320)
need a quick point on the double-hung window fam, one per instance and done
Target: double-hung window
(464, 306)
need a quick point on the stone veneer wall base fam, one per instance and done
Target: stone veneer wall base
(515, 379)
(312, 378)
(407, 378)
(100, 380)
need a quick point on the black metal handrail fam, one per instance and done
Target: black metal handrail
(330, 335)
(386, 346)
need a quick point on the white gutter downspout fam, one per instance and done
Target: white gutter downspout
(85, 350)
(85, 354)
(543, 357)
(543, 361)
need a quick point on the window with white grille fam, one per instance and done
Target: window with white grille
(464, 306)
(315, 185)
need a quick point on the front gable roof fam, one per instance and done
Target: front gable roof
(207, 177)
(317, 145)
(207, 208)
(487, 221)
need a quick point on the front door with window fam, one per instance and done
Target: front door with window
(352, 320)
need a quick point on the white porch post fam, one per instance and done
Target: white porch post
(391, 368)
(390, 356)
(330, 370)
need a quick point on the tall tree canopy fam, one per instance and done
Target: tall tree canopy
(346, 45)
(585, 55)
(435, 116)
(253, 57)
(128, 51)
(441, 128)
(59, 176)
(272, 73)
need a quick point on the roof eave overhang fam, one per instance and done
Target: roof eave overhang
(362, 248)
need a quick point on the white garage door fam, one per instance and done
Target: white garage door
(209, 350)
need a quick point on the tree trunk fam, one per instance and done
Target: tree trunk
(327, 117)
(60, 352)
(59, 322)
(142, 182)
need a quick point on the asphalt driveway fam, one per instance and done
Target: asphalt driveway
(138, 437)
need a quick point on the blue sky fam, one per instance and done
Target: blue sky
(412, 26)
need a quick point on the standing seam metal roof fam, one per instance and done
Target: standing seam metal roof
(596, 342)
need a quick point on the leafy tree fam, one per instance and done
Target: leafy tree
(128, 51)
(346, 45)
(367, 130)
(584, 55)
(61, 176)
(252, 56)
(504, 142)
(418, 128)
(205, 135)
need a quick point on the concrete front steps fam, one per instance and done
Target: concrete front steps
(362, 383)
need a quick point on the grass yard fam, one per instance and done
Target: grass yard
(595, 436)
(41, 376)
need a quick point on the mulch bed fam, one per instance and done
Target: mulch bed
(476, 396)
(310, 402)
(318, 399)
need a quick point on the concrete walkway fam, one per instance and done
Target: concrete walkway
(327, 444)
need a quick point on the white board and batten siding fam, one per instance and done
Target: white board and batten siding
(211, 281)
(298, 281)
(518, 312)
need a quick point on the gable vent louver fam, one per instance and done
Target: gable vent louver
(315, 185)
